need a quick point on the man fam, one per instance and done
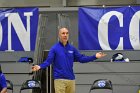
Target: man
(3, 85)
(63, 55)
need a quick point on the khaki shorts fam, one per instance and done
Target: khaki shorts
(64, 86)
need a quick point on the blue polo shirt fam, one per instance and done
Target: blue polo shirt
(62, 57)
(2, 81)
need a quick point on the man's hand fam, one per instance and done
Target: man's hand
(4, 90)
(35, 68)
(100, 55)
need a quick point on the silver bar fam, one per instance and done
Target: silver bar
(57, 9)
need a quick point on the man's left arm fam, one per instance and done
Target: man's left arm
(84, 58)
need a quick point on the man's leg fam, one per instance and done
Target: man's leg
(70, 86)
(59, 86)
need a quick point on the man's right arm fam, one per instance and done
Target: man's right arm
(47, 62)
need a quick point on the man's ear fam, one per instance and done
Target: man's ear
(0, 69)
(58, 38)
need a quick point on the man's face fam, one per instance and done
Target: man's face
(63, 35)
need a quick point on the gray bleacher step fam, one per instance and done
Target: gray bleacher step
(16, 67)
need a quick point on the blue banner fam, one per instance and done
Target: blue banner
(18, 29)
(109, 28)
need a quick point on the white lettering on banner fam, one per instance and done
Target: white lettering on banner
(1, 34)
(134, 31)
(23, 35)
(103, 38)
